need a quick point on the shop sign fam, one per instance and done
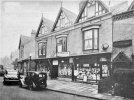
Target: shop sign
(70, 60)
(62, 54)
(85, 65)
(124, 43)
(55, 62)
(103, 59)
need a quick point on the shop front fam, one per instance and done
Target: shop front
(61, 67)
(64, 68)
(92, 68)
(42, 65)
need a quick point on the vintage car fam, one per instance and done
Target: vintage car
(33, 79)
(10, 76)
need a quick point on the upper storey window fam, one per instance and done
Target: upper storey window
(62, 44)
(62, 21)
(92, 9)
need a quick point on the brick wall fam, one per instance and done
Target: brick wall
(74, 39)
(124, 30)
(29, 48)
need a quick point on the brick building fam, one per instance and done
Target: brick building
(123, 38)
(27, 52)
(87, 43)
(82, 43)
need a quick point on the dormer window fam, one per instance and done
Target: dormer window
(92, 9)
(62, 21)
(43, 30)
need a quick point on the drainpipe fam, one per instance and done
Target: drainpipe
(112, 48)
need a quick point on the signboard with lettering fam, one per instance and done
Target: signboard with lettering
(123, 43)
(62, 54)
(55, 62)
(85, 65)
(71, 60)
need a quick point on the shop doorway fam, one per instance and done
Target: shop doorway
(54, 73)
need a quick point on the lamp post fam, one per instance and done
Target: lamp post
(29, 62)
(71, 61)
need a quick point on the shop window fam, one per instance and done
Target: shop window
(62, 44)
(90, 39)
(105, 71)
(42, 49)
(91, 72)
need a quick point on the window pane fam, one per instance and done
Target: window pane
(88, 34)
(40, 45)
(40, 52)
(95, 43)
(91, 11)
(95, 33)
(95, 38)
(96, 6)
(100, 8)
(44, 49)
(64, 44)
(88, 44)
(59, 48)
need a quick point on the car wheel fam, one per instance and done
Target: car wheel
(4, 83)
(30, 86)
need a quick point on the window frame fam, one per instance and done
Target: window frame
(62, 21)
(93, 39)
(97, 12)
(62, 44)
(44, 29)
(42, 49)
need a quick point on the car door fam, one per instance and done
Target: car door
(27, 78)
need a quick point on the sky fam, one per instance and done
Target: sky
(21, 16)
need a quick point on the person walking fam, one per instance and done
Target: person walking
(75, 75)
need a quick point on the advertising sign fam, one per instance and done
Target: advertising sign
(70, 60)
(62, 54)
(55, 62)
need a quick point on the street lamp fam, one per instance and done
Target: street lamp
(29, 61)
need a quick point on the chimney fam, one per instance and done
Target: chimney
(33, 33)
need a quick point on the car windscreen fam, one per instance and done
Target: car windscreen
(42, 75)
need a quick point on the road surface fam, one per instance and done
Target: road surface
(13, 92)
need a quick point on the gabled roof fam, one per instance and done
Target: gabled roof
(119, 8)
(48, 24)
(70, 15)
(121, 57)
(24, 40)
(84, 5)
(131, 6)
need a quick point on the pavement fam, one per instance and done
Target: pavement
(66, 85)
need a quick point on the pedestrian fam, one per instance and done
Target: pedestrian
(75, 74)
